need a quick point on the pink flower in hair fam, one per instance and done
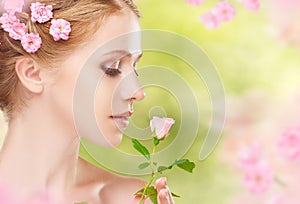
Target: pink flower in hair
(13, 6)
(60, 29)
(8, 21)
(224, 10)
(40, 12)
(31, 42)
(17, 31)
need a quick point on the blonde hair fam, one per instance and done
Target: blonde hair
(85, 17)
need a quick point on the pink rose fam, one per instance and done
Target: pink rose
(31, 42)
(7, 21)
(161, 126)
(60, 29)
(40, 12)
(17, 31)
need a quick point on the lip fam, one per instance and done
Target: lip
(125, 114)
(122, 120)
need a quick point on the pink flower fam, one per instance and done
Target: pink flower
(252, 5)
(17, 31)
(8, 21)
(60, 29)
(161, 126)
(224, 10)
(250, 156)
(258, 178)
(210, 20)
(31, 42)
(289, 143)
(195, 2)
(276, 199)
(13, 6)
(40, 12)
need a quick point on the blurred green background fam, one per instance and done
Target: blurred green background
(247, 55)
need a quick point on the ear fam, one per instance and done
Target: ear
(29, 75)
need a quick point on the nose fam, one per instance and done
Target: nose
(139, 94)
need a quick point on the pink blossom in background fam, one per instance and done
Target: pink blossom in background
(258, 178)
(282, 15)
(60, 29)
(31, 42)
(210, 20)
(252, 5)
(276, 199)
(40, 12)
(250, 156)
(224, 10)
(195, 2)
(161, 126)
(289, 144)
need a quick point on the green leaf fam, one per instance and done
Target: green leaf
(141, 148)
(139, 192)
(163, 168)
(175, 195)
(186, 165)
(180, 161)
(151, 193)
(144, 165)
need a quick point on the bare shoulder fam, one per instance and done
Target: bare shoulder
(109, 188)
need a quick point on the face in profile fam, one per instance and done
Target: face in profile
(95, 88)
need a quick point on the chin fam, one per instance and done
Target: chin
(115, 140)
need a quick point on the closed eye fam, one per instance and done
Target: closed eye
(112, 70)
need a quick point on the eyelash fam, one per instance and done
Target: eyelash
(112, 71)
(115, 71)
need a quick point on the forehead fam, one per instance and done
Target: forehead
(120, 31)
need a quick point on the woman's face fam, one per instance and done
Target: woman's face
(73, 91)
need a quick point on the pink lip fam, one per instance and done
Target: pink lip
(122, 120)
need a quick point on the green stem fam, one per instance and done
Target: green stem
(143, 198)
(152, 175)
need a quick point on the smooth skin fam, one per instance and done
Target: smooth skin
(40, 151)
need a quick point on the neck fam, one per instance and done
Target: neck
(39, 154)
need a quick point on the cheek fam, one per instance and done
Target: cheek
(103, 110)
(103, 99)
(60, 95)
